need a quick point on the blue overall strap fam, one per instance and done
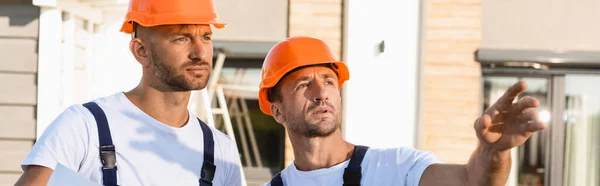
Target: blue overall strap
(107, 149)
(208, 167)
(352, 173)
(277, 181)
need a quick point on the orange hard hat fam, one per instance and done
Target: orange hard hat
(290, 54)
(150, 13)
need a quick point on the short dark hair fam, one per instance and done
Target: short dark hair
(274, 93)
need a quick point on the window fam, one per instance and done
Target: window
(568, 153)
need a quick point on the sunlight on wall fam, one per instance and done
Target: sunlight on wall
(381, 95)
(114, 67)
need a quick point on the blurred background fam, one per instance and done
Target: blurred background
(421, 71)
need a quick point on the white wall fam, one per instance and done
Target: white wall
(48, 67)
(109, 66)
(380, 99)
(115, 69)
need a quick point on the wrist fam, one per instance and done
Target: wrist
(496, 158)
(488, 166)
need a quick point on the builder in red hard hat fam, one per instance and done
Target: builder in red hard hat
(146, 136)
(300, 88)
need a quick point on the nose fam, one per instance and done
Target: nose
(198, 51)
(319, 92)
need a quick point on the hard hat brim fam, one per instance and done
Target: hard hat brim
(263, 101)
(127, 26)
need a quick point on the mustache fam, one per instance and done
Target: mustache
(195, 63)
(316, 105)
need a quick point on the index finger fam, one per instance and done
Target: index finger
(509, 96)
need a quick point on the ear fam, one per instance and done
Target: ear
(140, 51)
(277, 112)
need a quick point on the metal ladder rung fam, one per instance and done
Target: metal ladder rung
(217, 111)
(240, 88)
(217, 91)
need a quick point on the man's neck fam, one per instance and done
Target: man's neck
(322, 152)
(169, 108)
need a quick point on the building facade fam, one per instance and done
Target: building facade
(421, 73)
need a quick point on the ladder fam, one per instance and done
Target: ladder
(237, 108)
(207, 111)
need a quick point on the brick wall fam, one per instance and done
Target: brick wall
(451, 78)
(316, 18)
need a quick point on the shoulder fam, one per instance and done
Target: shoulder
(224, 145)
(110, 101)
(71, 123)
(221, 139)
(74, 121)
(77, 118)
(224, 141)
(402, 164)
(398, 151)
(402, 155)
(226, 156)
(105, 103)
(63, 141)
(73, 117)
(283, 174)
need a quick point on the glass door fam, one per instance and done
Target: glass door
(582, 130)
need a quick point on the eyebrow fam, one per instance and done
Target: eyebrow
(306, 78)
(328, 76)
(189, 34)
(186, 34)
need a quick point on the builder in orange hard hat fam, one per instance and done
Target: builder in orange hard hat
(146, 136)
(300, 88)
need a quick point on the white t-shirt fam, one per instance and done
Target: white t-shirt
(394, 166)
(148, 152)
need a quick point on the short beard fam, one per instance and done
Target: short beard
(168, 78)
(312, 130)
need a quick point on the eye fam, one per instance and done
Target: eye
(181, 39)
(303, 85)
(329, 82)
(207, 38)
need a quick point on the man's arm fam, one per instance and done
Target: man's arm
(444, 174)
(34, 175)
(502, 127)
(484, 168)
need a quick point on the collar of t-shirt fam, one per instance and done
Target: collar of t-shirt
(322, 171)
